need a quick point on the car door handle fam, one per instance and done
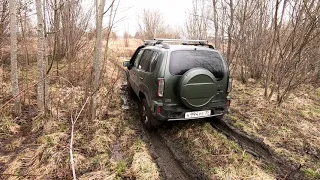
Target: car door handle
(141, 78)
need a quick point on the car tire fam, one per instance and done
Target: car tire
(146, 115)
(130, 90)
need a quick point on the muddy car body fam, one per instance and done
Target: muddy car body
(188, 80)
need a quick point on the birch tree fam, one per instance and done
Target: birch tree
(14, 51)
(98, 56)
(41, 63)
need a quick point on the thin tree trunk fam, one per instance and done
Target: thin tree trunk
(40, 58)
(98, 58)
(268, 76)
(56, 37)
(230, 29)
(216, 24)
(14, 52)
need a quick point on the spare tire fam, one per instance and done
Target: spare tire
(197, 87)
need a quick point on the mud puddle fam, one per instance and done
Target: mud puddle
(254, 146)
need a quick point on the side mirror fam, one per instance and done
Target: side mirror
(126, 63)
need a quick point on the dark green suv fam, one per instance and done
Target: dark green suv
(187, 80)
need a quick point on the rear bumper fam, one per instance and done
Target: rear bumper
(178, 114)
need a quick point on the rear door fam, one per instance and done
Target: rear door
(181, 61)
(145, 75)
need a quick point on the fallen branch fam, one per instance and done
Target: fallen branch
(73, 122)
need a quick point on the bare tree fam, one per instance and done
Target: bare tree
(126, 39)
(197, 23)
(215, 22)
(98, 56)
(41, 62)
(14, 52)
(75, 23)
(270, 40)
(296, 59)
(151, 24)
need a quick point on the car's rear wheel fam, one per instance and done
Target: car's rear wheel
(131, 92)
(146, 115)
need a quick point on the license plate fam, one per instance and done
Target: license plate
(197, 114)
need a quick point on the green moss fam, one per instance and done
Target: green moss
(213, 170)
(232, 117)
(311, 173)
(132, 120)
(269, 167)
(238, 125)
(138, 144)
(121, 168)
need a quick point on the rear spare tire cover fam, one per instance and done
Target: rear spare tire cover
(197, 88)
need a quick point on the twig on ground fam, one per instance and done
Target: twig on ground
(73, 122)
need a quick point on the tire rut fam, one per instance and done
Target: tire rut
(254, 146)
(170, 167)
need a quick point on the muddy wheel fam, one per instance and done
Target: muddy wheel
(146, 116)
(131, 92)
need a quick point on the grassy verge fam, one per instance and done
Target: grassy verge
(291, 129)
(214, 154)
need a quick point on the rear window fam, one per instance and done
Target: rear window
(184, 60)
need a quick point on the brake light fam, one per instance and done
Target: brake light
(160, 87)
(229, 85)
(228, 103)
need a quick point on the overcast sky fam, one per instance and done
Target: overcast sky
(174, 12)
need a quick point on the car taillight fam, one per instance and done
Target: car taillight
(229, 85)
(228, 103)
(160, 87)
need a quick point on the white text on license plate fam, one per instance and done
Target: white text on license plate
(196, 114)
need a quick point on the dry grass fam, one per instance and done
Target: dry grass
(214, 154)
(105, 148)
(291, 129)
(8, 126)
(94, 144)
(143, 166)
(122, 51)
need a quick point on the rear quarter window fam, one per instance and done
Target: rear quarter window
(183, 60)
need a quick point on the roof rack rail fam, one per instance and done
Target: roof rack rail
(156, 43)
(164, 42)
(182, 41)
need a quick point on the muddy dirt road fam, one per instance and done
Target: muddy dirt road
(174, 167)
(170, 167)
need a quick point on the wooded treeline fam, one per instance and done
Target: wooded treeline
(276, 41)
(63, 31)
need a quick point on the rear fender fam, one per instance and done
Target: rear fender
(144, 92)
